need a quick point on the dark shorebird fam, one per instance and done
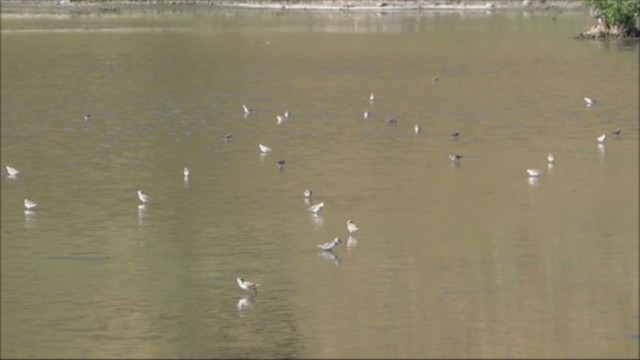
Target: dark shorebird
(455, 135)
(281, 165)
(616, 132)
(227, 137)
(391, 122)
(87, 117)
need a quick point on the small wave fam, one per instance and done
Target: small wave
(93, 30)
(79, 257)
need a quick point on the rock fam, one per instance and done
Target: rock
(600, 31)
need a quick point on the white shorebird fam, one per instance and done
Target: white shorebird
(264, 149)
(247, 110)
(329, 246)
(247, 286)
(601, 138)
(351, 226)
(316, 208)
(365, 115)
(186, 172)
(143, 198)
(13, 172)
(533, 172)
(416, 129)
(455, 157)
(28, 204)
(590, 102)
(371, 96)
(307, 193)
(551, 158)
(87, 117)
(280, 119)
(287, 114)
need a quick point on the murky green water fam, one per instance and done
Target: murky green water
(467, 260)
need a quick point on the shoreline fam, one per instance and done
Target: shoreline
(305, 5)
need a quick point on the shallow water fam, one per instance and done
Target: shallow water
(451, 260)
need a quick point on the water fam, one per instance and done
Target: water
(466, 261)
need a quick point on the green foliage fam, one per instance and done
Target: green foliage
(623, 13)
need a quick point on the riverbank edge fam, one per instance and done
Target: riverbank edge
(311, 5)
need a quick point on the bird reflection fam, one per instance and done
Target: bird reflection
(141, 213)
(330, 256)
(550, 167)
(186, 173)
(29, 218)
(601, 151)
(246, 302)
(533, 181)
(455, 160)
(351, 242)
(317, 219)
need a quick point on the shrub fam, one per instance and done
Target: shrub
(621, 13)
